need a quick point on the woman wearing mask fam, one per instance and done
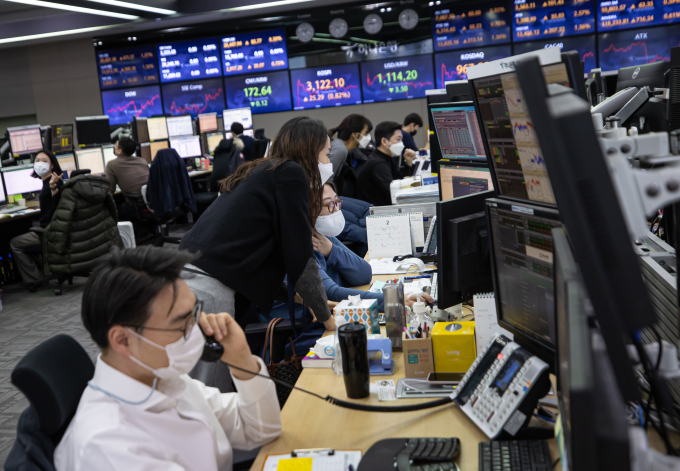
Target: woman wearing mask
(47, 168)
(353, 132)
(260, 229)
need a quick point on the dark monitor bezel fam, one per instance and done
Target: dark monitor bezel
(653, 68)
(3, 193)
(52, 137)
(91, 142)
(432, 107)
(458, 164)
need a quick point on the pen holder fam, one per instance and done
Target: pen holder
(418, 357)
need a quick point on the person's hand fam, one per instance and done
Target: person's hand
(409, 156)
(330, 324)
(322, 244)
(413, 298)
(236, 350)
(53, 183)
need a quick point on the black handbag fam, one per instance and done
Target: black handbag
(288, 370)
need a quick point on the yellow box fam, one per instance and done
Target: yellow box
(454, 346)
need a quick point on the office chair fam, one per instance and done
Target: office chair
(225, 162)
(259, 148)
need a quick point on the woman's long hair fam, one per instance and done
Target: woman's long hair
(351, 124)
(300, 140)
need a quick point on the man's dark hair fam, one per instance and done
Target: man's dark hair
(413, 118)
(127, 145)
(236, 128)
(123, 285)
(385, 129)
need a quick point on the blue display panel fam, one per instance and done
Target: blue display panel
(189, 60)
(121, 105)
(640, 46)
(615, 15)
(453, 65)
(127, 67)
(262, 51)
(397, 79)
(194, 98)
(264, 93)
(462, 27)
(320, 87)
(585, 45)
(540, 19)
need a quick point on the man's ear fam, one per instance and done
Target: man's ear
(118, 338)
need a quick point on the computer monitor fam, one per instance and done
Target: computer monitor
(653, 75)
(3, 195)
(93, 130)
(145, 151)
(458, 90)
(62, 138)
(108, 154)
(187, 146)
(180, 126)
(140, 130)
(25, 139)
(158, 128)
(436, 95)
(67, 162)
(91, 159)
(228, 135)
(237, 115)
(458, 179)
(249, 132)
(522, 271)
(213, 140)
(207, 122)
(154, 147)
(19, 180)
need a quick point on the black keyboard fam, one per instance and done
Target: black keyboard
(516, 455)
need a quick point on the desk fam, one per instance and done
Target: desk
(33, 204)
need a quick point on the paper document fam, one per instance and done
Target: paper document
(486, 320)
(416, 285)
(385, 266)
(417, 230)
(340, 461)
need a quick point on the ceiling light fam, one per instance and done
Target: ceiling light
(134, 6)
(51, 35)
(61, 6)
(265, 5)
(382, 10)
(389, 9)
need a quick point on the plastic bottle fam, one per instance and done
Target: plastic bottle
(420, 316)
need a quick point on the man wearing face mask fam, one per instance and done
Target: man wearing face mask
(412, 123)
(141, 411)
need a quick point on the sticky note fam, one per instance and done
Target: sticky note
(295, 464)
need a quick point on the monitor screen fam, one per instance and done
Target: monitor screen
(127, 67)
(156, 146)
(264, 93)
(641, 46)
(452, 66)
(584, 45)
(214, 140)
(18, 180)
(62, 138)
(142, 130)
(259, 51)
(145, 151)
(461, 180)
(67, 162)
(396, 79)
(108, 154)
(92, 159)
(458, 132)
(320, 87)
(626, 14)
(207, 122)
(93, 130)
(189, 60)
(465, 26)
(25, 139)
(536, 20)
(180, 126)
(187, 146)
(249, 132)
(126, 103)
(158, 128)
(3, 198)
(239, 115)
(193, 98)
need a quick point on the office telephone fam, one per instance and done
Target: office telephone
(502, 387)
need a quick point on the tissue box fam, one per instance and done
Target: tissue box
(454, 346)
(365, 312)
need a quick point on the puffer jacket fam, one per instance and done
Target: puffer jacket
(84, 226)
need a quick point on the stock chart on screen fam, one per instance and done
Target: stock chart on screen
(452, 65)
(462, 27)
(397, 79)
(637, 47)
(584, 45)
(121, 105)
(263, 93)
(615, 15)
(261, 51)
(540, 19)
(189, 60)
(321, 87)
(127, 67)
(193, 98)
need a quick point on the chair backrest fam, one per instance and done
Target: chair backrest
(53, 376)
(259, 149)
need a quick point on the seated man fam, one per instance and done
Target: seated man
(412, 122)
(130, 173)
(141, 411)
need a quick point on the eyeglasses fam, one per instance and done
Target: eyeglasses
(191, 321)
(334, 206)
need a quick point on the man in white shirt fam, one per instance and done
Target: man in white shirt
(141, 411)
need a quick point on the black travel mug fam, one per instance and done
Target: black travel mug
(354, 350)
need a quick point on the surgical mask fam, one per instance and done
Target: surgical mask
(413, 133)
(332, 225)
(364, 141)
(182, 355)
(397, 149)
(326, 171)
(41, 168)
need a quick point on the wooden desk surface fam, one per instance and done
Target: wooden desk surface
(32, 204)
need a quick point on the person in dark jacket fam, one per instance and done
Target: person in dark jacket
(46, 166)
(228, 158)
(412, 122)
(353, 132)
(382, 167)
(260, 229)
(237, 131)
(355, 212)
(169, 184)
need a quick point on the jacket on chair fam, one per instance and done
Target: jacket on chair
(169, 187)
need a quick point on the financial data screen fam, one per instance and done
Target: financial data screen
(179, 126)
(460, 181)
(321, 87)
(187, 146)
(67, 162)
(207, 122)
(539, 19)
(238, 115)
(213, 140)
(584, 45)
(158, 128)
(637, 47)
(615, 15)
(127, 67)
(458, 133)
(20, 181)
(25, 139)
(263, 93)
(62, 138)
(453, 65)
(193, 98)
(261, 51)
(463, 27)
(91, 159)
(396, 79)
(189, 60)
(123, 104)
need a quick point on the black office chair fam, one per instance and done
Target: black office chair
(259, 148)
(222, 167)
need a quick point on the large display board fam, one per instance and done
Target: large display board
(636, 47)
(261, 51)
(264, 93)
(473, 25)
(400, 79)
(189, 60)
(193, 98)
(127, 67)
(321, 87)
(123, 104)
(540, 19)
(585, 45)
(624, 14)
(452, 65)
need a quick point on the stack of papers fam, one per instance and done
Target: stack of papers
(385, 266)
(419, 194)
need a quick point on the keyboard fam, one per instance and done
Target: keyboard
(516, 455)
(11, 209)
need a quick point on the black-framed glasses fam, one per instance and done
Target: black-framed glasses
(334, 206)
(191, 321)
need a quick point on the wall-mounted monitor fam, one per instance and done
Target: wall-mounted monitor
(400, 78)
(263, 93)
(584, 45)
(469, 25)
(261, 51)
(127, 67)
(321, 87)
(193, 98)
(555, 19)
(452, 66)
(189, 60)
(636, 47)
(124, 104)
(626, 14)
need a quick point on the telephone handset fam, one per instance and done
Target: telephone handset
(502, 387)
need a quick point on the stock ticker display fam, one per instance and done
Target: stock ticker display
(452, 65)
(398, 79)
(194, 98)
(636, 47)
(466, 27)
(123, 104)
(584, 45)
(263, 93)
(321, 87)
(617, 14)
(189, 60)
(262, 51)
(539, 19)
(127, 67)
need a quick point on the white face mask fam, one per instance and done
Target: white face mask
(182, 355)
(397, 149)
(332, 225)
(326, 171)
(364, 141)
(41, 168)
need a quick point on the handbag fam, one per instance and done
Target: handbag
(288, 370)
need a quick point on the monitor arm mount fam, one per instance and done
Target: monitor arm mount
(624, 104)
